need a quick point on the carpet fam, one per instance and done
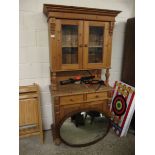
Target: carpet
(110, 145)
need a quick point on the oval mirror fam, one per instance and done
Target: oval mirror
(84, 128)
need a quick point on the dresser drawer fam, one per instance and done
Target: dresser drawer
(64, 100)
(96, 96)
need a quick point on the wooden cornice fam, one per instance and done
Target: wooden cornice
(51, 10)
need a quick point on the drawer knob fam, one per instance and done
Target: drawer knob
(71, 99)
(97, 96)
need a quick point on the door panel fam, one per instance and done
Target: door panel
(69, 43)
(95, 44)
(28, 112)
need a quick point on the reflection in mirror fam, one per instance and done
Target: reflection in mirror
(84, 127)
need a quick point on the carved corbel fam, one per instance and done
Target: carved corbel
(111, 27)
(52, 25)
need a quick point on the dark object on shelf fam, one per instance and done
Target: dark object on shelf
(94, 82)
(69, 81)
(82, 79)
(78, 119)
(100, 82)
(128, 67)
(92, 114)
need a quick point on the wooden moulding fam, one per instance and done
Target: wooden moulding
(52, 10)
(52, 43)
(28, 89)
(111, 27)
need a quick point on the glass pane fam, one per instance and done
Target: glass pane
(95, 49)
(69, 44)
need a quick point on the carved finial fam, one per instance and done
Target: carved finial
(52, 25)
(111, 27)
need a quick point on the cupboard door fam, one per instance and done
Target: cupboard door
(69, 43)
(95, 44)
(28, 112)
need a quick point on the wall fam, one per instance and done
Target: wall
(34, 53)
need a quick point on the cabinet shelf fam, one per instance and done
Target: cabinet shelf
(69, 46)
(98, 46)
(78, 89)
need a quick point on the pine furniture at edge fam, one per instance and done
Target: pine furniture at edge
(30, 122)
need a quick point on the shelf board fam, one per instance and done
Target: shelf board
(71, 89)
(77, 46)
(95, 46)
(69, 46)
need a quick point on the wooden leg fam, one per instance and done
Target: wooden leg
(107, 75)
(57, 141)
(56, 138)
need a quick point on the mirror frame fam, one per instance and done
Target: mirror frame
(83, 110)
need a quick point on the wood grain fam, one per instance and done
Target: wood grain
(96, 96)
(48, 8)
(30, 121)
(72, 98)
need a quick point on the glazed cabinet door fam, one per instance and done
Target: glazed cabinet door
(95, 44)
(69, 44)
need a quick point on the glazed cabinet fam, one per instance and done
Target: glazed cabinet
(80, 45)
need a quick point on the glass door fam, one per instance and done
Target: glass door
(70, 45)
(95, 44)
